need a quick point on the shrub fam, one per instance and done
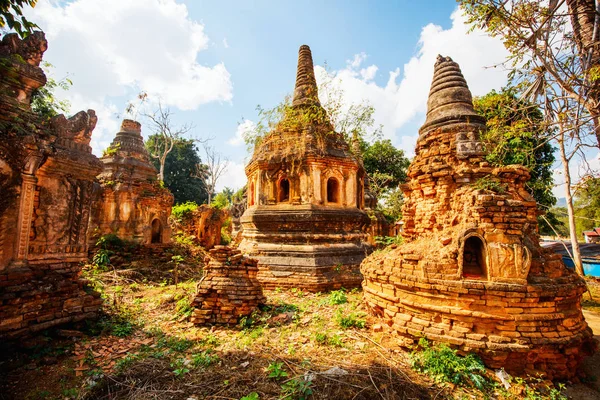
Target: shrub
(184, 307)
(110, 242)
(351, 320)
(276, 371)
(183, 211)
(337, 297)
(491, 184)
(444, 365)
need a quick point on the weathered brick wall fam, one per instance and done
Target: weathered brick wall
(47, 171)
(229, 289)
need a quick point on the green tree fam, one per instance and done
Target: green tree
(385, 164)
(11, 16)
(43, 100)
(183, 171)
(587, 205)
(554, 60)
(518, 134)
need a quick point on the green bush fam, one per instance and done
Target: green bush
(183, 211)
(443, 364)
(351, 320)
(184, 307)
(337, 297)
(110, 242)
(276, 371)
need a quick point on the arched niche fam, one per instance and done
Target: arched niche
(333, 190)
(157, 230)
(473, 257)
(283, 191)
(251, 194)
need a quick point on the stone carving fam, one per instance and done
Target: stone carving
(229, 289)
(78, 128)
(471, 272)
(131, 202)
(305, 221)
(49, 172)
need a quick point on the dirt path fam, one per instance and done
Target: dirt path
(591, 366)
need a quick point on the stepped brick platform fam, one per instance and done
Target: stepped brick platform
(229, 289)
(471, 272)
(305, 221)
(47, 171)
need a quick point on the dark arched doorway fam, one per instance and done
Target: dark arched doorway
(156, 231)
(474, 258)
(284, 191)
(333, 190)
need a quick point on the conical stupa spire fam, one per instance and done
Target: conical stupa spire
(129, 139)
(449, 96)
(306, 91)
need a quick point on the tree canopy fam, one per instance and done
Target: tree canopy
(183, 174)
(11, 16)
(587, 205)
(517, 134)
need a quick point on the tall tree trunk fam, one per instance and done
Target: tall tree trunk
(586, 32)
(570, 209)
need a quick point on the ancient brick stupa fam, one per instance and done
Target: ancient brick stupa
(132, 203)
(471, 272)
(229, 289)
(304, 221)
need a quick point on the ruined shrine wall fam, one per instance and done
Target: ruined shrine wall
(128, 209)
(521, 328)
(47, 171)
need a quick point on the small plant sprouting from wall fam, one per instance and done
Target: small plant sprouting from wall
(111, 150)
(491, 184)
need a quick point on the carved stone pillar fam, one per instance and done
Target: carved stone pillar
(317, 185)
(25, 216)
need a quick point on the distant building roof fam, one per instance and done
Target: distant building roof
(595, 232)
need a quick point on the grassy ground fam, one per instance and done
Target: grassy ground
(299, 345)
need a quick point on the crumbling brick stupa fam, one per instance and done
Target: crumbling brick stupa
(229, 289)
(304, 221)
(471, 272)
(131, 202)
(47, 172)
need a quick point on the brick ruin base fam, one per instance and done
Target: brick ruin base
(309, 247)
(229, 289)
(38, 298)
(524, 329)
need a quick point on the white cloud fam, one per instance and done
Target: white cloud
(234, 177)
(225, 44)
(114, 48)
(397, 103)
(243, 129)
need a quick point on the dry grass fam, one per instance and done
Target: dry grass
(145, 348)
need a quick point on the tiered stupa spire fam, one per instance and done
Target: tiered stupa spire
(449, 96)
(306, 92)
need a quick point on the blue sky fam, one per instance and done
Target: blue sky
(213, 62)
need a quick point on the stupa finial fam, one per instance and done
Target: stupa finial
(449, 96)
(306, 91)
